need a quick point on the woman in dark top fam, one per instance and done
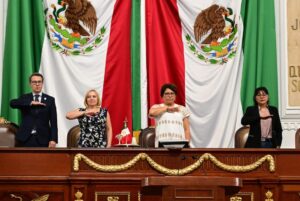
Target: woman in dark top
(265, 126)
(94, 122)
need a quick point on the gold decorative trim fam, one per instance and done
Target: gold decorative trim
(173, 172)
(17, 197)
(240, 194)
(78, 196)
(236, 198)
(112, 196)
(41, 198)
(269, 196)
(139, 196)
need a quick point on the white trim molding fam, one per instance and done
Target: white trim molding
(286, 111)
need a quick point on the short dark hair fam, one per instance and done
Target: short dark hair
(36, 74)
(256, 92)
(168, 86)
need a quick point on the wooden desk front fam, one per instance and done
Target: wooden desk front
(29, 174)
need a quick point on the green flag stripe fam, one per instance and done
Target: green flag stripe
(135, 65)
(24, 37)
(259, 47)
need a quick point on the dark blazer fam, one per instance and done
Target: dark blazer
(252, 118)
(42, 118)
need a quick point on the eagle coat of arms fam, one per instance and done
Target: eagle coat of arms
(71, 26)
(215, 31)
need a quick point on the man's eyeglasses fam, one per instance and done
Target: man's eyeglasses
(36, 82)
(261, 94)
(169, 94)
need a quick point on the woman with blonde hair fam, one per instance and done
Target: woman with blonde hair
(94, 122)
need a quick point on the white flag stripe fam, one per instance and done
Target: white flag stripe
(212, 90)
(67, 78)
(144, 97)
(3, 8)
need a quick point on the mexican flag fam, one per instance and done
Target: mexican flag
(216, 52)
(77, 46)
(198, 46)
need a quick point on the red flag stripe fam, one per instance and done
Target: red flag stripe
(117, 80)
(165, 56)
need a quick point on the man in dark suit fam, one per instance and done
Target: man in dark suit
(39, 119)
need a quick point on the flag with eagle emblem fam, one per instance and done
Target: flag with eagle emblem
(215, 51)
(89, 46)
(202, 47)
(197, 45)
(78, 45)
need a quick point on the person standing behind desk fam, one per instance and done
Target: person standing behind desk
(39, 120)
(171, 120)
(94, 122)
(265, 126)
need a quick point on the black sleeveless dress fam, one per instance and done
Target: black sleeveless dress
(93, 129)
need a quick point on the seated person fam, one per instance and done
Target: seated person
(171, 119)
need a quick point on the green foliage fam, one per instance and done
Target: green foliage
(209, 50)
(200, 56)
(56, 47)
(72, 39)
(88, 49)
(76, 52)
(206, 49)
(192, 48)
(102, 30)
(231, 55)
(216, 48)
(188, 38)
(98, 40)
(224, 43)
(213, 61)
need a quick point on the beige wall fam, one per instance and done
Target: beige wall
(293, 46)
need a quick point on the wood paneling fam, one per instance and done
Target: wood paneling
(31, 173)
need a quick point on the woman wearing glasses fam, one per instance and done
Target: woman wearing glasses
(265, 127)
(171, 119)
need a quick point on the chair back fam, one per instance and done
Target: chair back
(241, 136)
(7, 134)
(147, 137)
(297, 139)
(73, 136)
